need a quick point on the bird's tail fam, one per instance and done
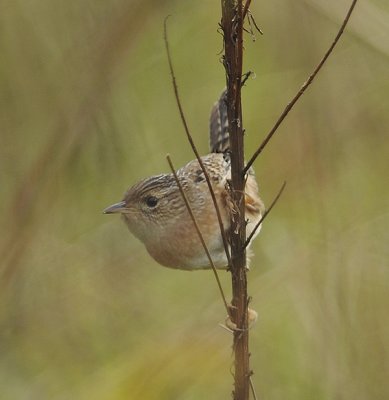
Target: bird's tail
(219, 137)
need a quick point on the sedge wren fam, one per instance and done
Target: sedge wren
(156, 214)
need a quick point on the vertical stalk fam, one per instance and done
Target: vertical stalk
(232, 26)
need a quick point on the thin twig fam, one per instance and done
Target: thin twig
(301, 91)
(246, 8)
(252, 19)
(245, 77)
(253, 389)
(265, 214)
(190, 139)
(199, 233)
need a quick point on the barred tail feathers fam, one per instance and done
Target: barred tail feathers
(218, 126)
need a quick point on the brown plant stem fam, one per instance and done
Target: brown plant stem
(232, 27)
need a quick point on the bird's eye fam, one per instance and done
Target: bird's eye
(151, 201)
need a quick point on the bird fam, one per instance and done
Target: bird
(155, 212)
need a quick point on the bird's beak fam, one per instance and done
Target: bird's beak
(116, 208)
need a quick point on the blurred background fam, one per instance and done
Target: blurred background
(87, 109)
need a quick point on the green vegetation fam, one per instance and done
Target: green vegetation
(87, 108)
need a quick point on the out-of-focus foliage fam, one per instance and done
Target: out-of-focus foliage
(87, 108)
